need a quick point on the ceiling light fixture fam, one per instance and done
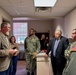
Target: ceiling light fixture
(44, 3)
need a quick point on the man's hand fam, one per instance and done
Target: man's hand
(16, 54)
(34, 54)
(12, 52)
(45, 55)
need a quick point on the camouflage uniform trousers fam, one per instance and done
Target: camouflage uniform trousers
(30, 63)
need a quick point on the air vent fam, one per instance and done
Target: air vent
(43, 9)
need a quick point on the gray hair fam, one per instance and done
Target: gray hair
(59, 31)
(74, 29)
(4, 24)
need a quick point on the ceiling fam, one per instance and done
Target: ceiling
(25, 8)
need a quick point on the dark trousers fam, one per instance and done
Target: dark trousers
(13, 66)
(4, 72)
(57, 67)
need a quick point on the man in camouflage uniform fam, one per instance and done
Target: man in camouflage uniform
(70, 54)
(32, 46)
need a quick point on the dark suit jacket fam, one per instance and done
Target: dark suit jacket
(63, 44)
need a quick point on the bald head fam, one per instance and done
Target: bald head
(58, 34)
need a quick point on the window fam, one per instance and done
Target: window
(20, 31)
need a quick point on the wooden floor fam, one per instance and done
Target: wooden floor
(21, 68)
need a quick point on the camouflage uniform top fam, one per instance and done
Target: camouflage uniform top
(32, 44)
(73, 45)
(68, 52)
(69, 49)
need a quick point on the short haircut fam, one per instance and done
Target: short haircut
(32, 29)
(59, 31)
(74, 29)
(4, 24)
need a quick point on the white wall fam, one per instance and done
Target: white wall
(70, 23)
(58, 24)
(6, 16)
(40, 26)
(66, 24)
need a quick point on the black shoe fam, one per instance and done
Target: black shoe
(32, 73)
(28, 73)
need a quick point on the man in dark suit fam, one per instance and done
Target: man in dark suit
(57, 47)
